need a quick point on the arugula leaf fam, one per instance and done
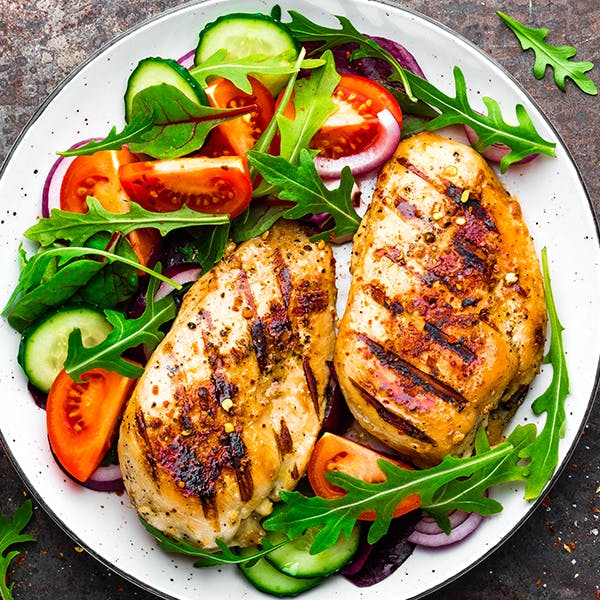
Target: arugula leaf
(302, 185)
(522, 139)
(77, 228)
(132, 132)
(305, 30)
(237, 70)
(180, 124)
(226, 556)
(11, 534)
(313, 106)
(126, 334)
(468, 494)
(543, 451)
(339, 515)
(558, 57)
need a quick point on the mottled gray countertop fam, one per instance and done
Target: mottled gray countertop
(556, 553)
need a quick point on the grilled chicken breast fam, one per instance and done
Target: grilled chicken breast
(231, 402)
(446, 318)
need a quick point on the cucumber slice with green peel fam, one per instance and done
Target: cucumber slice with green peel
(155, 71)
(266, 578)
(294, 558)
(245, 35)
(44, 345)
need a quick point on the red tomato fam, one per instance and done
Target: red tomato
(237, 136)
(82, 418)
(98, 175)
(354, 126)
(335, 453)
(211, 185)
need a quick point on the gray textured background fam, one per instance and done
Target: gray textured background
(556, 554)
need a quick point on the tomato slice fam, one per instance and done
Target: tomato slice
(335, 453)
(211, 185)
(354, 126)
(82, 418)
(98, 175)
(237, 136)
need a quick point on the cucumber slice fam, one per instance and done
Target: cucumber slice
(243, 35)
(295, 559)
(155, 71)
(265, 577)
(44, 345)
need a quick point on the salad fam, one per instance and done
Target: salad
(206, 150)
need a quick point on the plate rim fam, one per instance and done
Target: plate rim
(486, 57)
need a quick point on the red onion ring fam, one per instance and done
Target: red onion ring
(187, 60)
(440, 538)
(369, 159)
(429, 525)
(53, 182)
(182, 273)
(105, 479)
(495, 152)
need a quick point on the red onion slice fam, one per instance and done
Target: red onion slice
(429, 525)
(369, 159)
(182, 273)
(105, 479)
(187, 60)
(439, 539)
(496, 152)
(53, 182)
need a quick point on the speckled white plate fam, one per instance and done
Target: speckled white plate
(555, 206)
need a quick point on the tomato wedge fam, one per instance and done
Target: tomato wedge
(82, 418)
(219, 185)
(237, 136)
(354, 126)
(98, 175)
(335, 453)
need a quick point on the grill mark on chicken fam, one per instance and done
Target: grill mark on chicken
(417, 377)
(384, 300)
(311, 382)
(140, 424)
(468, 254)
(310, 299)
(283, 277)
(242, 466)
(284, 439)
(402, 425)
(455, 193)
(457, 347)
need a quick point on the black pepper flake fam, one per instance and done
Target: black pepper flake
(191, 325)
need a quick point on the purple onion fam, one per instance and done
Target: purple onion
(187, 60)
(438, 538)
(181, 273)
(105, 479)
(53, 182)
(429, 525)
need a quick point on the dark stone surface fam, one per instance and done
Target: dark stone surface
(556, 554)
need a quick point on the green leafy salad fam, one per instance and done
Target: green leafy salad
(215, 149)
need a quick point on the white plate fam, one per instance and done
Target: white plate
(554, 204)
